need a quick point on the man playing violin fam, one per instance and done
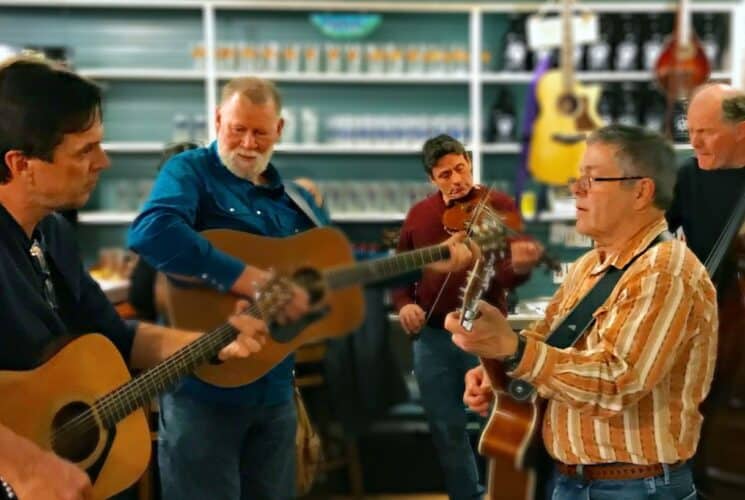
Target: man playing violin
(439, 365)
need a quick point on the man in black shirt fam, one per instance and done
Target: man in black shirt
(711, 183)
(708, 188)
(50, 159)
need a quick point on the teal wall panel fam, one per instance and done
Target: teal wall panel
(118, 38)
(136, 111)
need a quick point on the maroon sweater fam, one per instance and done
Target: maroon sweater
(423, 227)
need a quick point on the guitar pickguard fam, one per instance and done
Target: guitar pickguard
(286, 333)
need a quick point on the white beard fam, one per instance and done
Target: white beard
(249, 173)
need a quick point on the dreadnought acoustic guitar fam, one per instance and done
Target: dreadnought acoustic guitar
(321, 261)
(83, 405)
(511, 429)
(567, 113)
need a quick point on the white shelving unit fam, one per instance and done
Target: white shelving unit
(476, 78)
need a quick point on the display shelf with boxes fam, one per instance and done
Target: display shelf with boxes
(358, 109)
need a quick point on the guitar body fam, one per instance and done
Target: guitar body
(84, 370)
(680, 69)
(509, 434)
(197, 307)
(563, 122)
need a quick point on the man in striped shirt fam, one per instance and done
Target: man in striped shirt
(623, 403)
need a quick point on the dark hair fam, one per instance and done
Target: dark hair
(175, 148)
(644, 153)
(437, 147)
(39, 104)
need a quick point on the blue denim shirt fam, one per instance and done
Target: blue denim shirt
(195, 192)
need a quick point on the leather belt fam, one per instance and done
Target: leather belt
(613, 471)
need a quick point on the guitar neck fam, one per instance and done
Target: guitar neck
(381, 269)
(567, 46)
(139, 391)
(683, 27)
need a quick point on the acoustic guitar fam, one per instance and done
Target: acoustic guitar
(319, 260)
(83, 405)
(567, 113)
(680, 68)
(511, 430)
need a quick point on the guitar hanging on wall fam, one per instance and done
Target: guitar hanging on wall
(680, 68)
(567, 113)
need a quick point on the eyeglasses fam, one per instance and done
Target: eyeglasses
(48, 287)
(584, 183)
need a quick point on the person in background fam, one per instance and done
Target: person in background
(439, 366)
(709, 186)
(50, 159)
(146, 293)
(239, 442)
(623, 416)
(710, 183)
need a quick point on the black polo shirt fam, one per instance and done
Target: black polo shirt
(703, 204)
(30, 327)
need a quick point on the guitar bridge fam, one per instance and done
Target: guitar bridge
(569, 139)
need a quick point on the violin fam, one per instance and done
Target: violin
(462, 213)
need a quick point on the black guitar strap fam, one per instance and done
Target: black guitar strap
(718, 251)
(580, 318)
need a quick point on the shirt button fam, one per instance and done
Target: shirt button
(258, 212)
(232, 209)
(205, 276)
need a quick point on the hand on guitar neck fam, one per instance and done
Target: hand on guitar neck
(491, 336)
(462, 253)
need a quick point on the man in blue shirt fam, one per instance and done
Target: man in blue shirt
(50, 159)
(239, 442)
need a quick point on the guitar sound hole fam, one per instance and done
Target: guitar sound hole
(568, 104)
(75, 432)
(312, 281)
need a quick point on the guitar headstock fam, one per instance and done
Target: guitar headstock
(478, 282)
(490, 235)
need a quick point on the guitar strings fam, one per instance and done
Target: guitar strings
(117, 399)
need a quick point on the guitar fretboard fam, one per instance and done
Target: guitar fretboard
(382, 269)
(139, 391)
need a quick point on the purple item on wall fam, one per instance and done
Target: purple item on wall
(530, 111)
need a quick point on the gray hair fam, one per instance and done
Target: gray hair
(642, 152)
(256, 90)
(733, 109)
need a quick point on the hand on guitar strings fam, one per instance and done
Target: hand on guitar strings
(52, 478)
(491, 336)
(251, 282)
(463, 253)
(478, 394)
(251, 334)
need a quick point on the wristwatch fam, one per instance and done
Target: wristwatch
(510, 362)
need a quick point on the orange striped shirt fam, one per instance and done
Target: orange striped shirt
(630, 388)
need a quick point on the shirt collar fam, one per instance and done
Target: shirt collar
(271, 174)
(638, 244)
(12, 229)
